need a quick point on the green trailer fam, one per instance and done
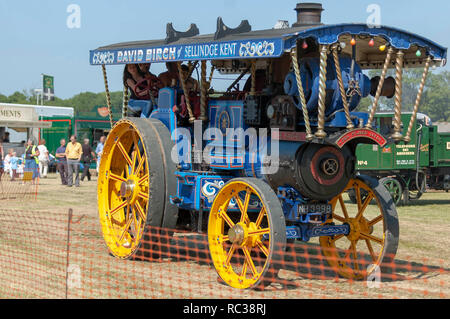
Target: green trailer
(408, 169)
(91, 125)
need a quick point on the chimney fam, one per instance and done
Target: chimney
(308, 14)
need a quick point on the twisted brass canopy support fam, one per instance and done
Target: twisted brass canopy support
(186, 93)
(301, 93)
(407, 139)
(322, 92)
(380, 87)
(108, 95)
(204, 92)
(397, 135)
(341, 87)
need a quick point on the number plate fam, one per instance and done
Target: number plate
(304, 209)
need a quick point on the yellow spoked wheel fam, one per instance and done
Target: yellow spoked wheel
(129, 204)
(246, 233)
(374, 231)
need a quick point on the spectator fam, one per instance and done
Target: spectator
(7, 160)
(99, 151)
(61, 161)
(14, 162)
(73, 155)
(1, 160)
(43, 159)
(32, 160)
(6, 138)
(88, 156)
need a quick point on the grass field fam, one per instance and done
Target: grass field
(34, 259)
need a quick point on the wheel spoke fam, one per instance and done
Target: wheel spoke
(376, 220)
(140, 165)
(363, 207)
(339, 218)
(344, 208)
(259, 232)
(143, 196)
(227, 219)
(139, 210)
(126, 228)
(355, 256)
(116, 177)
(260, 217)
(230, 254)
(115, 210)
(143, 179)
(244, 207)
(263, 248)
(124, 153)
(249, 260)
(372, 238)
(244, 270)
(138, 152)
(336, 238)
(369, 246)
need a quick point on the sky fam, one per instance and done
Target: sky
(35, 38)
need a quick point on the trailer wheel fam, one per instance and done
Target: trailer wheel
(374, 231)
(394, 188)
(246, 233)
(132, 198)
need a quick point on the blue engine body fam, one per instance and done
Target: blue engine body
(310, 69)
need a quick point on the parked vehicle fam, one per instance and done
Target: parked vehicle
(407, 170)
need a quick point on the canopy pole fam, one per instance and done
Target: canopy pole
(397, 135)
(380, 87)
(407, 139)
(350, 125)
(211, 74)
(204, 92)
(125, 101)
(253, 71)
(322, 92)
(186, 93)
(301, 93)
(108, 95)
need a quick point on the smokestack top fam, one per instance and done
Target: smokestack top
(308, 13)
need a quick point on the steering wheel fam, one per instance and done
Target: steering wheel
(143, 86)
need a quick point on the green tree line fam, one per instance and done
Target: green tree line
(435, 100)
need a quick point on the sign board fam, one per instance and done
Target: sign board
(16, 113)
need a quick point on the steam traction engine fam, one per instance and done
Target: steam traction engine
(191, 158)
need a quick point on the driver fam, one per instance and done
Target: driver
(154, 84)
(131, 78)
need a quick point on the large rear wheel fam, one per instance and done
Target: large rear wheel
(132, 189)
(374, 231)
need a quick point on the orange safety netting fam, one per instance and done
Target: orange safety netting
(57, 255)
(18, 186)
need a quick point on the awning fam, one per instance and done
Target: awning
(25, 124)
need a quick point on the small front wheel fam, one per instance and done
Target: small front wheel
(246, 233)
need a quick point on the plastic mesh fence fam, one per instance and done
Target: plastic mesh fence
(49, 255)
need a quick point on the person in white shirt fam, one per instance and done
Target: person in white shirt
(6, 161)
(43, 159)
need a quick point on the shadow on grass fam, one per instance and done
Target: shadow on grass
(306, 260)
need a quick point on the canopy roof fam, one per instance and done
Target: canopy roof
(271, 43)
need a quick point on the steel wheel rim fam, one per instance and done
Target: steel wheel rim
(123, 189)
(225, 225)
(354, 262)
